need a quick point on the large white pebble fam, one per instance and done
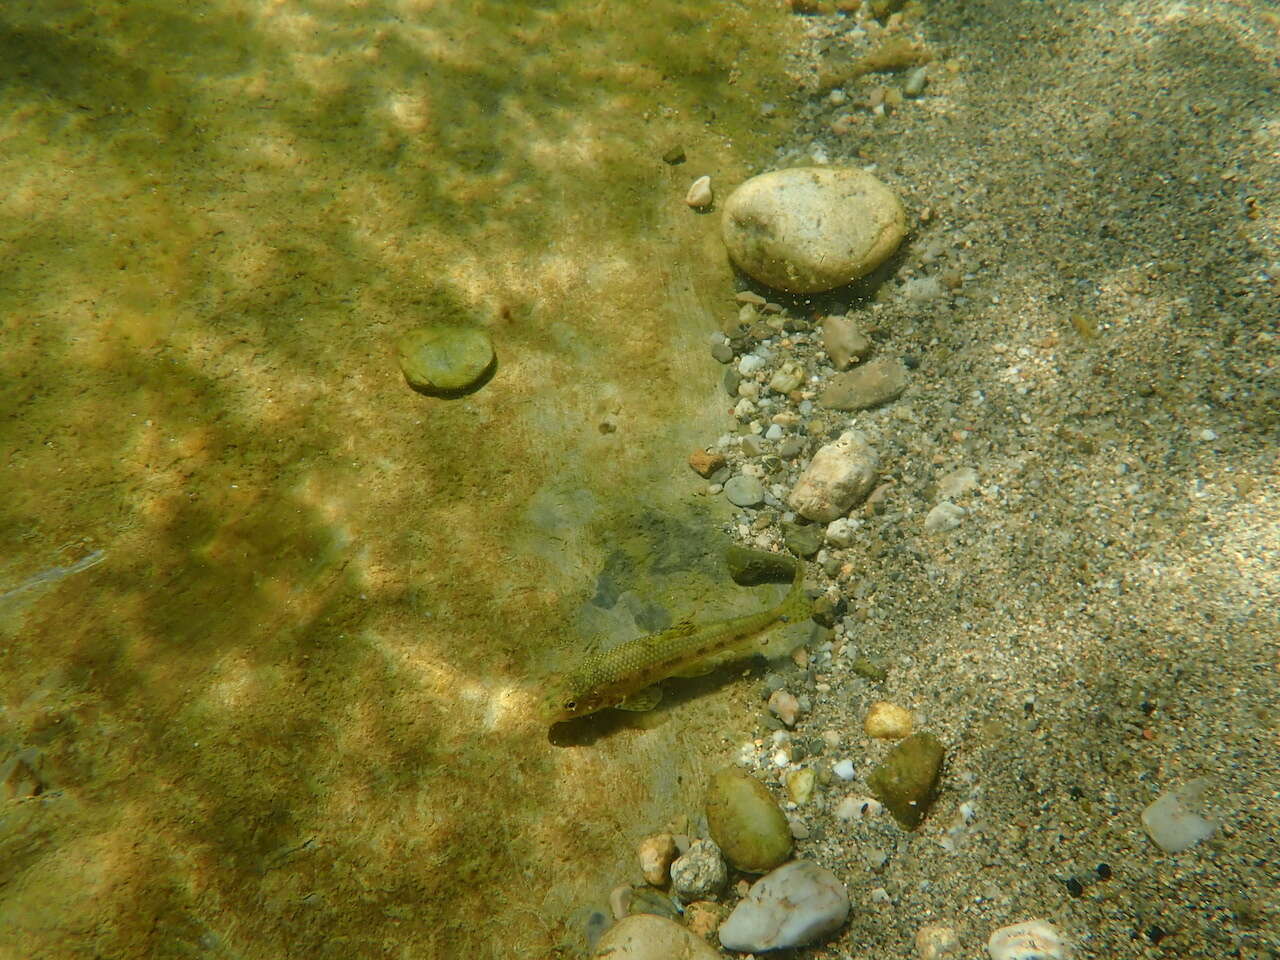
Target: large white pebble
(1032, 940)
(796, 904)
(644, 936)
(1174, 822)
(840, 475)
(807, 229)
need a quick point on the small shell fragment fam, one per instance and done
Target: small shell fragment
(1032, 940)
(699, 195)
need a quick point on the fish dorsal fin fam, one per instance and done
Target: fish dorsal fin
(642, 700)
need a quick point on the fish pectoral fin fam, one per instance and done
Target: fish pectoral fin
(641, 700)
(699, 668)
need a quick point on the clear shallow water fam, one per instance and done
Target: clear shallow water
(284, 712)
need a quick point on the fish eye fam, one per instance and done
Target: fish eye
(571, 705)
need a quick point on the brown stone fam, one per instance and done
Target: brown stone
(706, 462)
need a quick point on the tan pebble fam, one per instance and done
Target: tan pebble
(887, 721)
(699, 194)
(937, 943)
(746, 296)
(742, 889)
(704, 917)
(656, 854)
(620, 901)
(800, 784)
(831, 738)
(785, 707)
(646, 937)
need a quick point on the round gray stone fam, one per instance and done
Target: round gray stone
(744, 491)
(442, 360)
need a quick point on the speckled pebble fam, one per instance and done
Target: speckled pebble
(699, 874)
(797, 904)
(744, 491)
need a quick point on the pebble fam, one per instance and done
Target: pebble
(746, 822)
(706, 462)
(841, 531)
(887, 721)
(1174, 820)
(843, 769)
(945, 516)
(957, 483)
(785, 707)
(699, 196)
(908, 778)
(703, 917)
(788, 377)
(797, 904)
(844, 342)
(937, 943)
(916, 81)
(441, 360)
(791, 448)
(774, 432)
(840, 475)
(808, 229)
(804, 540)
(656, 854)
(646, 937)
(870, 385)
(800, 784)
(744, 491)
(749, 364)
(722, 352)
(1032, 940)
(700, 873)
(858, 808)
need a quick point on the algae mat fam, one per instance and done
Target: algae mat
(271, 619)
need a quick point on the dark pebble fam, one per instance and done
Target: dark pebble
(911, 363)
(674, 156)
(1155, 934)
(722, 351)
(731, 380)
(1075, 887)
(1104, 871)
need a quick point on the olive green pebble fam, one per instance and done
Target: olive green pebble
(751, 567)
(442, 360)
(869, 671)
(746, 823)
(905, 782)
(802, 540)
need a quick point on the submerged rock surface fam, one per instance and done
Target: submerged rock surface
(808, 229)
(796, 904)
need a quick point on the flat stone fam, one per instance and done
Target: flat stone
(844, 342)
(797, 904)
(1174, 819)
(750, 568)
(840, 475)
(646, 937)
(442, 360)
(804, 540)
(808, 229)
(744, 491)
(867, 386)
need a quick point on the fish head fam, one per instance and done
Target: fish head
(567, 700)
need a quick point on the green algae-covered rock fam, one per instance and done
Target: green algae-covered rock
(746, 822)
(444, 360)
(906, 781)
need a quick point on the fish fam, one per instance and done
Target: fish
(627, 676)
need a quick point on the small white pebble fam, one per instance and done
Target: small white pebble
(773, 433)
(1206, 434)
(843, 769)
(699, 195)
